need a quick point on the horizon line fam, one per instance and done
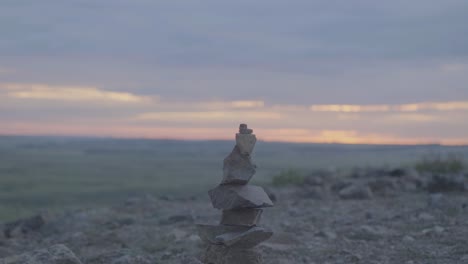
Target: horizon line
(227, 139)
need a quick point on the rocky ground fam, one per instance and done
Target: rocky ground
(366, 216)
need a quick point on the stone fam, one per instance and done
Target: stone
(5, 252)
(190, 260)
(446, 183)
(319, 177)
(438, 200)
(241, 217)
(383, 187)
(119, 222)
(2, 234)
(464, 259)
(128, 259)
(58, 254)
(397, 172)
(340, 185)
(23, 226)
(270, 194)
(313, 180)
(120, 256)
(245, 239)
(216, 254)
(244, 130)
(238, 168)
(177, 219)
(246, 143)
(355, 191)
(366, 232)
(311, 192)
(208, 233)
(425, 216)
(328, 234)
(228, 197)
(434, 230)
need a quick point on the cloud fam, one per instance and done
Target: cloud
(435, 106)
(455, 67)
(236, 33)
(308, 70)
(6, 71)
(244, 104)
(350, 108)
(211, 116)
(411, 117)
(247, 104)
(441, 106)
(68, 93)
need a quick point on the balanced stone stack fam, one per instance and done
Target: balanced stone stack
(234, 239)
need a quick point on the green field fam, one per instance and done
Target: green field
(43, 173)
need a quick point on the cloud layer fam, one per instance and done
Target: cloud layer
(63, 110)
(346, 71)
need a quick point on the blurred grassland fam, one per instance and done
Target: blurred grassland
(440, 164)
(38, 173)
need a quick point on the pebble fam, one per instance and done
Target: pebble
(176, 219)
(328, 234)
(434, 230)
(425, 216)
(439, 229)
(437, 200)
(355, 191)
(408, 239)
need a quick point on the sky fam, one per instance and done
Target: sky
(327, 71)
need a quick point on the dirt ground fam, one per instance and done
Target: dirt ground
(377, 219)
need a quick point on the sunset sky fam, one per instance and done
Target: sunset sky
(361, 71)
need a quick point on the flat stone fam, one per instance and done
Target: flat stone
(246, 143)
(246, 131)
(208, 233)
(55, 254)
(355, 191)
(216, 254)
(238, 168)
(23, 226)
(228, 197)
(245, 239)
(241, 217)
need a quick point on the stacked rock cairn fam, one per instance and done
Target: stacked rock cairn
(233, 240)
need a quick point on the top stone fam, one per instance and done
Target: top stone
(245, 140)
(244, 130)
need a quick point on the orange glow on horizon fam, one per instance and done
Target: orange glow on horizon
(184, 133)
(42, 109)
